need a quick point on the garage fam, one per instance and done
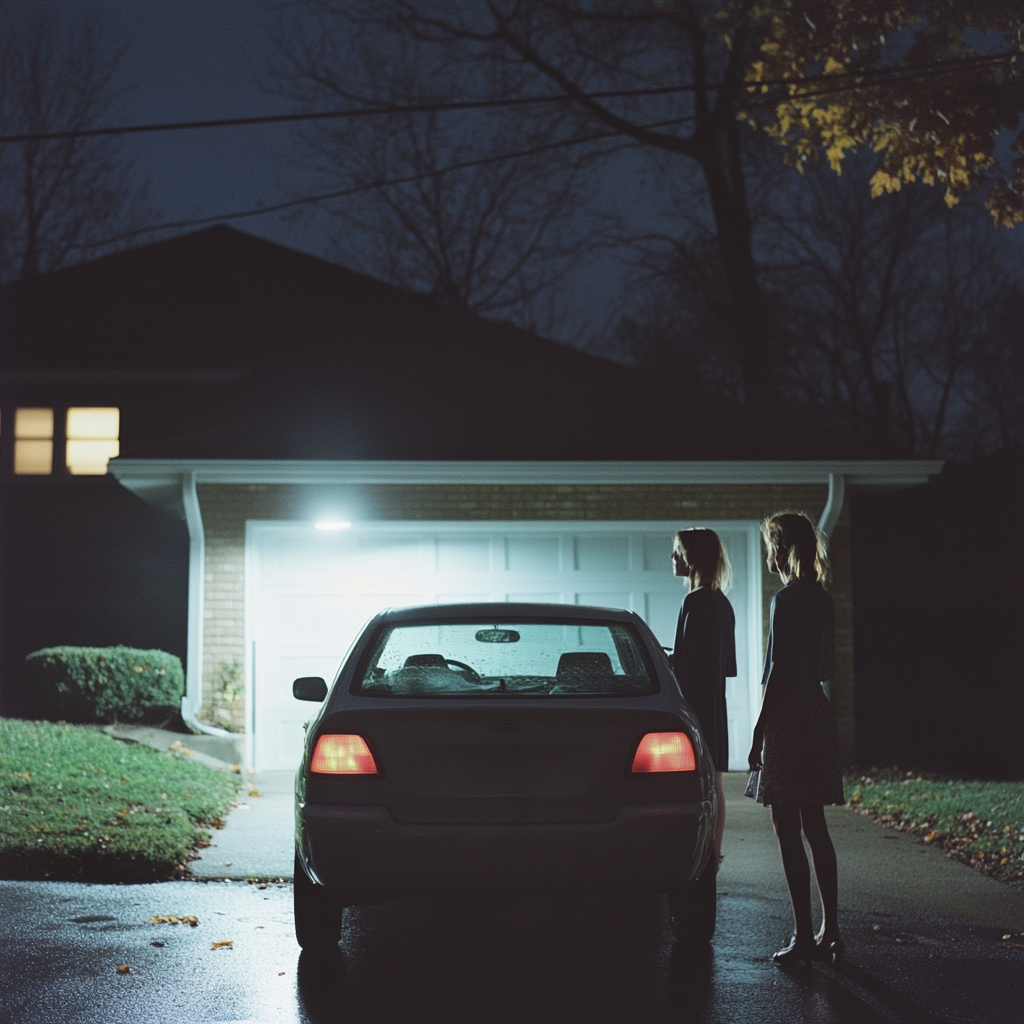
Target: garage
(308, 591)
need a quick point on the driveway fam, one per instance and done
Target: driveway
(924, 939)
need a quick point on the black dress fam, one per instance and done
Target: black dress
(801, 748)
(704, 654)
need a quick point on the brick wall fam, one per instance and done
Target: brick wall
(227, 507)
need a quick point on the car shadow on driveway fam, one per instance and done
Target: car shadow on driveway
(537, 959)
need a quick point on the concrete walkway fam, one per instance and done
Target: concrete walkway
(258, 838)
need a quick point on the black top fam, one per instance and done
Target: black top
(801, 637)
(704, 654)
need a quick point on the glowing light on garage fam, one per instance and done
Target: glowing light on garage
(329, 525)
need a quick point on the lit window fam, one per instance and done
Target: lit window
(33, 442)
(92, 440)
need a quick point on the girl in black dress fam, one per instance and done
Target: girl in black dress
(795, 748)
(705, 647)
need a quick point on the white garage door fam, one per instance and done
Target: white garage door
(308, 593)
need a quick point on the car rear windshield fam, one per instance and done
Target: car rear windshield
(527, 659)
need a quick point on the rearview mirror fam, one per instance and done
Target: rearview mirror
(309, 688)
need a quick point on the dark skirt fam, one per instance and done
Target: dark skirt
(801, 752)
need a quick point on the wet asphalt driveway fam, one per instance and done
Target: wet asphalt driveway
(924, 940)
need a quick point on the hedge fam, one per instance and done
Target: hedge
(90, 684)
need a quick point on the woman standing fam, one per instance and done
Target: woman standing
(705, 647)
(795, 747)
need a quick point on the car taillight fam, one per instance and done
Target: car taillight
(342, 754)
(665, 752)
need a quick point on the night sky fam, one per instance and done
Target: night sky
(197, 59)
(201, 59)
(190, 60)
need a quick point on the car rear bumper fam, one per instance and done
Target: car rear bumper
(363, 851)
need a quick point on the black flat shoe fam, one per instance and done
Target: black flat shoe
(829, 951)
(796, 953)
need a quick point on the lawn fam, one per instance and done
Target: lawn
(978, 823)
(77, 805)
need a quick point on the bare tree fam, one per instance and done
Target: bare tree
(896, 320)
(59, 199)
(450, 216)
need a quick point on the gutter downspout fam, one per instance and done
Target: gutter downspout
(834, 505)
(827, 523)
(193, 698)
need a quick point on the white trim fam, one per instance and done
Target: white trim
(193, 699)
(142, 474)
(834, 505)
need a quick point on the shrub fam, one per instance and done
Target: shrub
(89, 684)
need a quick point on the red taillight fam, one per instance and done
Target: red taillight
(342, 755)
(665, 752)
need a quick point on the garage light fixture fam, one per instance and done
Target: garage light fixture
(333, 524)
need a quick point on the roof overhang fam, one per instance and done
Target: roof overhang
(160, 481)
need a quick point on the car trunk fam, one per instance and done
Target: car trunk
(493, 763)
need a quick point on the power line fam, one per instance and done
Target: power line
(367, 186)
(885, 74)
(922, 71)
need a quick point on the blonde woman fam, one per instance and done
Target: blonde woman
(705, 646)
(795, 748)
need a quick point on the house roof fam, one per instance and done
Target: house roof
(222, 345)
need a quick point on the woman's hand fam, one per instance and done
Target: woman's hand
(754, 757)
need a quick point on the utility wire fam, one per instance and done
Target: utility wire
(460, 166)
(884, 74)
(367, 186)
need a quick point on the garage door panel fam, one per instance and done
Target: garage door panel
(463, 554)
(597, 553)
(661, 613)
(533, 555)
(605, 598)
(657, 552)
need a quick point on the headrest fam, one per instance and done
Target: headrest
(425, 661)
(581, 664)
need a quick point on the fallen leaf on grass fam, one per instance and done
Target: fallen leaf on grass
(222, 944)
(254, 792)
(123, 969)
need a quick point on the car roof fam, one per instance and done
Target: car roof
(505, 611)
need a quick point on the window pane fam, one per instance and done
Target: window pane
(34, 423)
(93, 423)
(33, 458)
(89, 458)
(512, 659)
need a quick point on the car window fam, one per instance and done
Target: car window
(511, 659)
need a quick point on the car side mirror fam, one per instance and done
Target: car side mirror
(309, 688)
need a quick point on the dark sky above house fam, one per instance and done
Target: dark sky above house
(192, 60)
(202, 59)
(198, 59)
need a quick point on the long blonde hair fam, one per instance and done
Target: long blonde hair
(794, 536)
(706, 553)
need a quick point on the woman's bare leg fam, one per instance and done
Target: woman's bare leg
(720, 824)
(823, 854)
(786, 819)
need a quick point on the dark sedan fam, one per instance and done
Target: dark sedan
(502, 747)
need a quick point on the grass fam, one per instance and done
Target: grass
(978, 823)
(76, 805)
